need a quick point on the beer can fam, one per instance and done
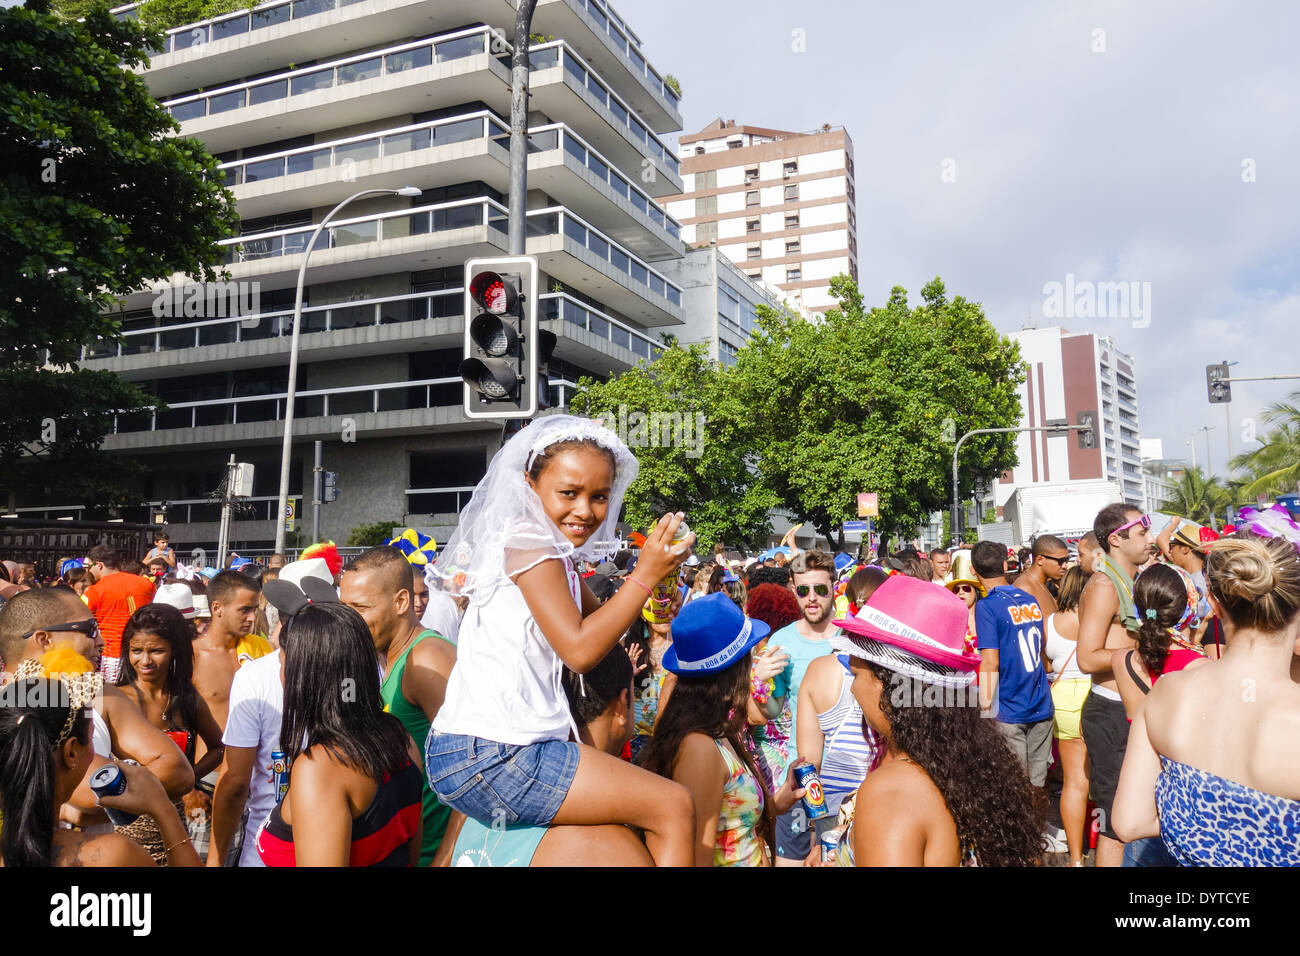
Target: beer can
(814, 800)
(280, 771)
(109, 781)
(662, 594)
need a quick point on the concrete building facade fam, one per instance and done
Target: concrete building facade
(307, 102)
(721, 302)
(780, 205)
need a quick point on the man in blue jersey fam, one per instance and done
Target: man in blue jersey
(1013, 683)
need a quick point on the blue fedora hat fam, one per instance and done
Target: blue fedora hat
(709, 635)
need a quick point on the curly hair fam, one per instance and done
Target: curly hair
(985, 789)
(772, 604)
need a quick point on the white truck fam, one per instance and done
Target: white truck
(1063, 508)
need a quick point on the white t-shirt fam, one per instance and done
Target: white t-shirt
(506, 683)
(256, 703)
(442, 615)
(1059, 649)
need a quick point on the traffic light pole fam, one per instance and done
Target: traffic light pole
(316, 495)
(517, 206)
(996, 431)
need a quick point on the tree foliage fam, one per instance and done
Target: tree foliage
(99, 198)
(1274, 467)
(872, 400)
(1197, 497)
(372, 535)
(703, 472)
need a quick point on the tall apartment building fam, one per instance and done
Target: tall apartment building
(721, 303)
(1071, 372)
(780, 205)
(306, 102)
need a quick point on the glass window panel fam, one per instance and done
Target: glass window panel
(233, 176)
(620, 336)
(352, 317)
(674, 230)
(619, 184)
(268, 92)
(266, 169)
(657, 284)
(177, 339)
(638, 62)
(575, 149)
(305, 8)
(417, 223)
(460, 48)
(575, 231)
(596, 14)
(544, 59)
(573, 67)
(547, 139)
(357, 152)
(597, 89)
(656, 216)
(188, 111)
(598, 326)
(361, 70)
(598, 245)
(575, 315)
(184, 39)
(639, 272)
(409, 59)
(544, 225)
(230, 28)
(320, 80)
(405, 142)
(264, 327)
(638, 201)
(351, 403)
(458, 132)
(213, 415)
(305, 162)
(268, 17)
(597, 167)
(172, 418)
(620, 260)
(620, 114)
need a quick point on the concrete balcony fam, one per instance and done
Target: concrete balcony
(567, 90)
(601, 38)
(425, 74)
(245, 43)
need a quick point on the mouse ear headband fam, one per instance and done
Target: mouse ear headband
(290, 599)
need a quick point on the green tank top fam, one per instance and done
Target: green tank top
(416, 723)
(1124, 590)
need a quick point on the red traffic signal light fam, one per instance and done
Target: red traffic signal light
(491, 293)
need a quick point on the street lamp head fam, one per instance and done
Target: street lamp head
(409, 191)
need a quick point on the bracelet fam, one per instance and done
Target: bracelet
(168, 849)
(640, 585)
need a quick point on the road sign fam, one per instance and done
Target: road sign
(290, 512)
(855, 526)
(868, 505)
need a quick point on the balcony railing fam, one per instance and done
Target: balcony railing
(390, 142)
(548, 55)
(556, 306)
(613, 27)
(557, 220)
(399, 224)
(179, 511)
(317, 403)
(546, 138)
(363, 66)
(389, 310)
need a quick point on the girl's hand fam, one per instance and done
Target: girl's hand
(636, 654)
(144, 792)
(784, 800)
(660, 556)
(770, 663)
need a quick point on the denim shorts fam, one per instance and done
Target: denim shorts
(500, 784)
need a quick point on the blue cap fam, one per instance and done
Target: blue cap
(709, 635)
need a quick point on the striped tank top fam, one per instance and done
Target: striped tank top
(851, 748)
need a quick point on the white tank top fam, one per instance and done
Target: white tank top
(506, 683)
(1063, 653)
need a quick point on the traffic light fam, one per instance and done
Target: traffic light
(1215, 383)
(503, 359)
(1087, 433)
(330, 491)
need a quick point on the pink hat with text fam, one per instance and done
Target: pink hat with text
(914, 628)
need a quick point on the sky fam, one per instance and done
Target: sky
(1007, 145)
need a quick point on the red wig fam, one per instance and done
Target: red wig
(328, 551)
(774, 605)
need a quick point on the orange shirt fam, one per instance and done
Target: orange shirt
(114, 599)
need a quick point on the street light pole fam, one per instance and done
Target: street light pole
(996, 431)
(283, 500)
(1209, 467)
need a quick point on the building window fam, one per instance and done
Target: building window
(791, 193)
(734, 144)
(751, 198)
(752, 226)
(792, 221)
(699, 150)
(756, 275)
(791, 167)
(793, 274)
(754, 252)
(704, 232)
(751, 175)
(792, 247)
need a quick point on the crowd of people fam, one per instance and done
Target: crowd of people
(541, 692)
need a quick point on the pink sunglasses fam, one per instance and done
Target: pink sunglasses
(1144, 521)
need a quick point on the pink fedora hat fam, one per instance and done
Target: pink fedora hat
(914, 628)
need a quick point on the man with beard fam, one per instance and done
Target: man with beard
(812, 580)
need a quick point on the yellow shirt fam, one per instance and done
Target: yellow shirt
(251, 647)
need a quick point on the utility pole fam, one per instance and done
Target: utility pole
(1209, 468)
(223, 535)
(1191, 443)
(517, 205)
(316, 494)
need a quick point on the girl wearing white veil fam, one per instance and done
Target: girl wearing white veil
(500, 748)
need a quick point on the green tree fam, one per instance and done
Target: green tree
(872, 400)
(372, 535)
(702, 471)
(1197, 497)
(1274, 467)
(99, 199)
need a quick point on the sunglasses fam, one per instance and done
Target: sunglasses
(1062, 561)
(963, 588)
(88, 627)
(1144, 521)
(821, 589)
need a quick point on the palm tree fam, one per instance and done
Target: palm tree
(1274, 467)
(1196, 497)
